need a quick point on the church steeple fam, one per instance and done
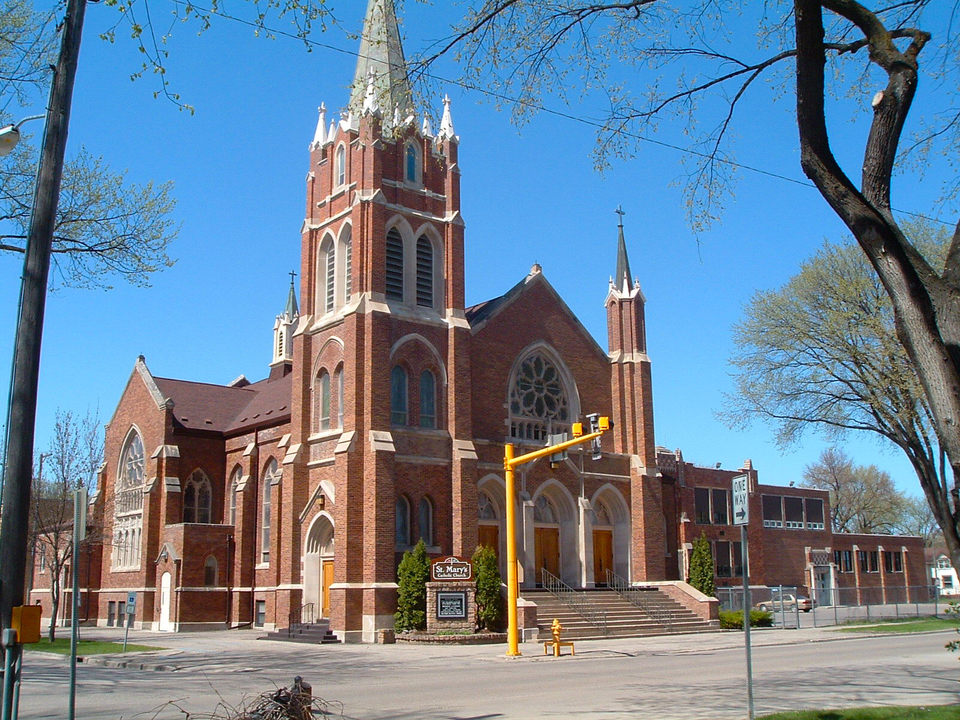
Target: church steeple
(381, 63)
(622, 280)
(283, 329)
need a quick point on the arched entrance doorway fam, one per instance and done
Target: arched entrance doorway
(546, 538)
(318, 565)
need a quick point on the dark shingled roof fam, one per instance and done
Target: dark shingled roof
(225, 409)
(476, 314)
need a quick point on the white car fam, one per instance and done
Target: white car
(786, 602)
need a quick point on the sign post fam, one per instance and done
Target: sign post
(741, 517)
(130, 610)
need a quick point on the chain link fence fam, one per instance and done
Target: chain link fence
(792, 607)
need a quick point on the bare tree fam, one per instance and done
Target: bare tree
(684, 54)
(75, 452)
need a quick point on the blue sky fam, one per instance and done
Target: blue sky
(528, 195)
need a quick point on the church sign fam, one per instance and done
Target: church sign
(451, 568)
(451, 605)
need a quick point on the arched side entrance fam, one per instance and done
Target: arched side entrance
(554, 535)
(491, 511)
(610, 529)
(318, 565)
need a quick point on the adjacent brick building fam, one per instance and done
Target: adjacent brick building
(385, 414)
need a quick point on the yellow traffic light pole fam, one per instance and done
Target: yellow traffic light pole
(509, 463)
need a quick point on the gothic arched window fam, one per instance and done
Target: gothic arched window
(197, 498)
(339, 383)
(128, 503)
(234, 484)
(398, 396)
(402, 521)
(538, 399)
(341, 166)
(210, 572)
(323, 400)
(346, 247)
(411, 163)
(486, 510)
(394, 265)
(543, 511)
(424, 272)
(271, 475)
(428, 400)
(425, 520)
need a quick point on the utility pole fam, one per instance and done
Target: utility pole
(26, 362)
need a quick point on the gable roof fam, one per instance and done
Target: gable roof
(226, 409)
(480, 314)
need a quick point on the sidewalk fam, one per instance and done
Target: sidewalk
(241, 650)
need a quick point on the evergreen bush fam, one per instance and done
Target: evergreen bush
(701, 567)
(489, 601)
(412, 575)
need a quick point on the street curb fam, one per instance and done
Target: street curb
(114, 661)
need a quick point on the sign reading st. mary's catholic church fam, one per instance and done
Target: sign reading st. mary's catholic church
(451, 568)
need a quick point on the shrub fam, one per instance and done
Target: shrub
(733, 619)
(701, 567)
(489, 602)
(412, 575)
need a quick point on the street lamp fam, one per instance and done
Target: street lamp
(10, 134)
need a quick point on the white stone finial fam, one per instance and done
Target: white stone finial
(396, 115)
(426, 130)
(446, 124)
(370, 100)
(319, 134)
(332, 133)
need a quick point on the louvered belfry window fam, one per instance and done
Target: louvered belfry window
(424, 272)
(394, 289)
(331, 269)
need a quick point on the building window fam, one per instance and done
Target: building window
(210, 572)
(411, 157)
(538, 400)
(874, 561)
(843, 559)
(341, 166)
(428, 400)
(943, 562)
(234, 484)
(271, 476)
(544, 512)
(323, 388)
(43, 560)
(197, 498)
(111, 613)
(722, 554)
(402, 522)
(486, 510)
(772, 511)
(424, 272)
(737, 549)
(398, 396)
(260, 618)
(425, 521)
(394, 266)
(719, 499)
(330, 258)
(128, 504)
(793, 512)
(814, 508)
(893, 561)
(347, 247)
(701, 506)
(339, 376)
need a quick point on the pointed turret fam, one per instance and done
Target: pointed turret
(381, 55)
(283, 329)
(621, 280)
(446, 123)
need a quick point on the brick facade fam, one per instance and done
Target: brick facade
(384, 419)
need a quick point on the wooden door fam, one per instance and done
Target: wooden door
(547, 550)
(489, 536)
(326, 575)
(602, 555)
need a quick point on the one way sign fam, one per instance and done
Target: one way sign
(741, 508)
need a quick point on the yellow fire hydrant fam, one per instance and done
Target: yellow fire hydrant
(556, 628)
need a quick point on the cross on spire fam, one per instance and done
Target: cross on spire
(621, 212)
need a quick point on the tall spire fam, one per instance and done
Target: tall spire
(381, 54)
(621, 280)
(291, 310)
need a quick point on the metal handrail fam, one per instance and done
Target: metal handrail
(637, 597)
(303, 615)
(574, 600)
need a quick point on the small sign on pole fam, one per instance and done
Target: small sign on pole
(131, 609)
(741, 504)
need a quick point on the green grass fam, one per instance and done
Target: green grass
(61, 646)
(903, 625)
(936, 712)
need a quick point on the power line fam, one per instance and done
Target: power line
(536, 106)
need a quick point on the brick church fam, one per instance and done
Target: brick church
(385, 413)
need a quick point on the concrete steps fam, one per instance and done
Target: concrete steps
(662, 615)
(317, 633)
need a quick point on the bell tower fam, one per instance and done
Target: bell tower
(381, 354)
(632, 393)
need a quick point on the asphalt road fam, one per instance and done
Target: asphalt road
(683, 677)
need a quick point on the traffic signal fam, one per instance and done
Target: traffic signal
(559, 457)
(594, 420)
